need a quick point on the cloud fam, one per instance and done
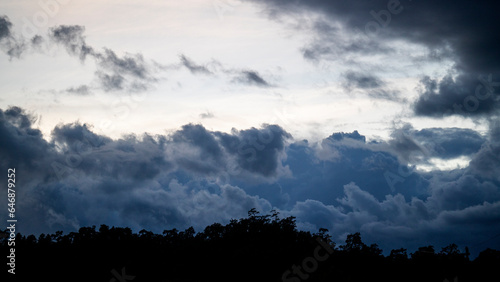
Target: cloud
(361, 80)
(443, 27)
(72, 38)
(207, 115)
(193, 67)
(243, 76)
(448, 143)
(370, 84)
(8, 42)
(130, 72)
(114, 73)
(110, 82)
(358, 31)
(465, 95)
(151, 180)
(251, 78)
(486, 162)
(80, 90)
(195, 176)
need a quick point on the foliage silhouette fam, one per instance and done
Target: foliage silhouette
(256, 248)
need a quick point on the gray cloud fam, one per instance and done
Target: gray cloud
(251, 78)
(193, 67)
(141, 181)
(207, 115)
(80, 90)
(110, 82)
(243, 76)
(457, 26)
(73, 39)
(361, 80)
(343, 31)
(195, 176)
(129, 72)
(8, 42)
(465, 95)
(369, 84)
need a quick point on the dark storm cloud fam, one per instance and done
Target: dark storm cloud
(257, 150)
(8, 42)
(486, 162)
(465, 95)
(422, 207)
(195, 176)
(467, 27)
(21, 144)
(193, 67)
(449, 143)
(168, 180)
(345, 135)
(462, 31)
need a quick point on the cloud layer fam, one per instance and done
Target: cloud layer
(194, 177)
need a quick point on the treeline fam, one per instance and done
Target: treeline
(256, 248)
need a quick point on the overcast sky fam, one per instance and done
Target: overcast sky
(379, 117)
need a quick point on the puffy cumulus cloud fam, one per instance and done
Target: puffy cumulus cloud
(398, 222)
(80, 178)
(485, 162)
(258, 151)
(466, 95)
(194, 176)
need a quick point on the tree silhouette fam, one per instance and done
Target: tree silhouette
(255, 248)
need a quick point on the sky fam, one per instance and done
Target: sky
(379, 117)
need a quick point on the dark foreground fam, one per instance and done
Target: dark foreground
(257, 248)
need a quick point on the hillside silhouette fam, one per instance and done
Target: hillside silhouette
(256, 248)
